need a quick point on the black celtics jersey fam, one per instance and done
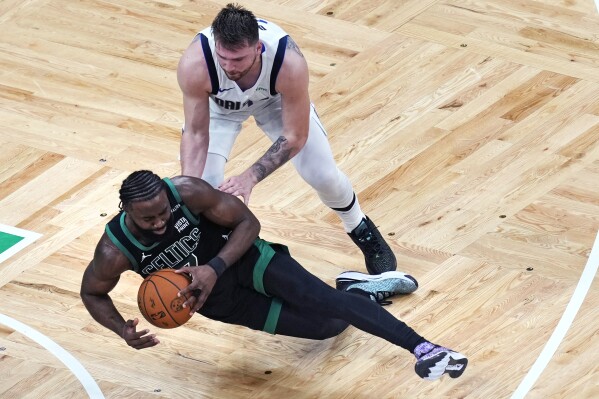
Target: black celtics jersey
(193, 241)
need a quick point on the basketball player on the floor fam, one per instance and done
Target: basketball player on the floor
(241, 66)
(185, 224)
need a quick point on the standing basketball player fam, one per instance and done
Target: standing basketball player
(241, 67)
(184, 224)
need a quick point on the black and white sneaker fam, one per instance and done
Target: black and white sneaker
(377, 254)
(433, 361)
(378, 287)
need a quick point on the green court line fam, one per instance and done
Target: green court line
(8, 240)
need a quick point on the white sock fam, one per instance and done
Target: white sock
(351, 216)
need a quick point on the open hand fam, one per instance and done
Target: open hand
(138, 339)
(239, 186)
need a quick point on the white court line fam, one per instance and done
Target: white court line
(597, 4)
(28, 238)
(73, 364)
(586, 279)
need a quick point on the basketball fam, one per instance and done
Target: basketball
(158, 301)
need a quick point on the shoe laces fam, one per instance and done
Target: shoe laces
(381, 297)
(427, 349)
(372, 246)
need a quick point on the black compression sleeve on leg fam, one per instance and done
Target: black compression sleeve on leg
(287, 279)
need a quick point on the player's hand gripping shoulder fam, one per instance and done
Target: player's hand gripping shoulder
(241, 185)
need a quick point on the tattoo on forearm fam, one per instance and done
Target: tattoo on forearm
(293, 46)
(277, 155)
(277, 145)
(259, 170)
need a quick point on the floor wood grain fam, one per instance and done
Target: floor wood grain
(469, 129)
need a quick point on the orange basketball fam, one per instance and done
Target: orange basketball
(158, 301)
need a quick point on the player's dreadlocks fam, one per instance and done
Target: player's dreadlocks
(235, 27)
(142, 185)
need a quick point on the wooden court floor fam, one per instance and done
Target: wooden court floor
(469, 129)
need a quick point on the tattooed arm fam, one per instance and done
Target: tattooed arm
(292, 84)
(277, 155)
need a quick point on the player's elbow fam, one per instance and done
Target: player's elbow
(296, 142)
(256, 226)
(85, 296)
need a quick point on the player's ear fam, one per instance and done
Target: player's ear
(125, 207)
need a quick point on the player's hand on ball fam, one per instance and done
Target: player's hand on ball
(203, 279)
(138, 339)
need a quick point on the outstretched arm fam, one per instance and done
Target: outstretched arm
(292, 84)
(100, 277)
(194, 81)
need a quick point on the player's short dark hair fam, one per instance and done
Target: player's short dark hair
(142, 185)
(234, 27)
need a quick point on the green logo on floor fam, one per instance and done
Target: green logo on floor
(13, 240)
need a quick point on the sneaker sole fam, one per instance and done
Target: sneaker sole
(388, 281)
(451, 363)
(357, 276)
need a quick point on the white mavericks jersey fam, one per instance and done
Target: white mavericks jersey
(226, 96)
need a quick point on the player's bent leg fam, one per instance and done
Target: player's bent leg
(288, 280)
(299, 322)
(224, 130)
(256, 312)
(285, 278)
(316, 165)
